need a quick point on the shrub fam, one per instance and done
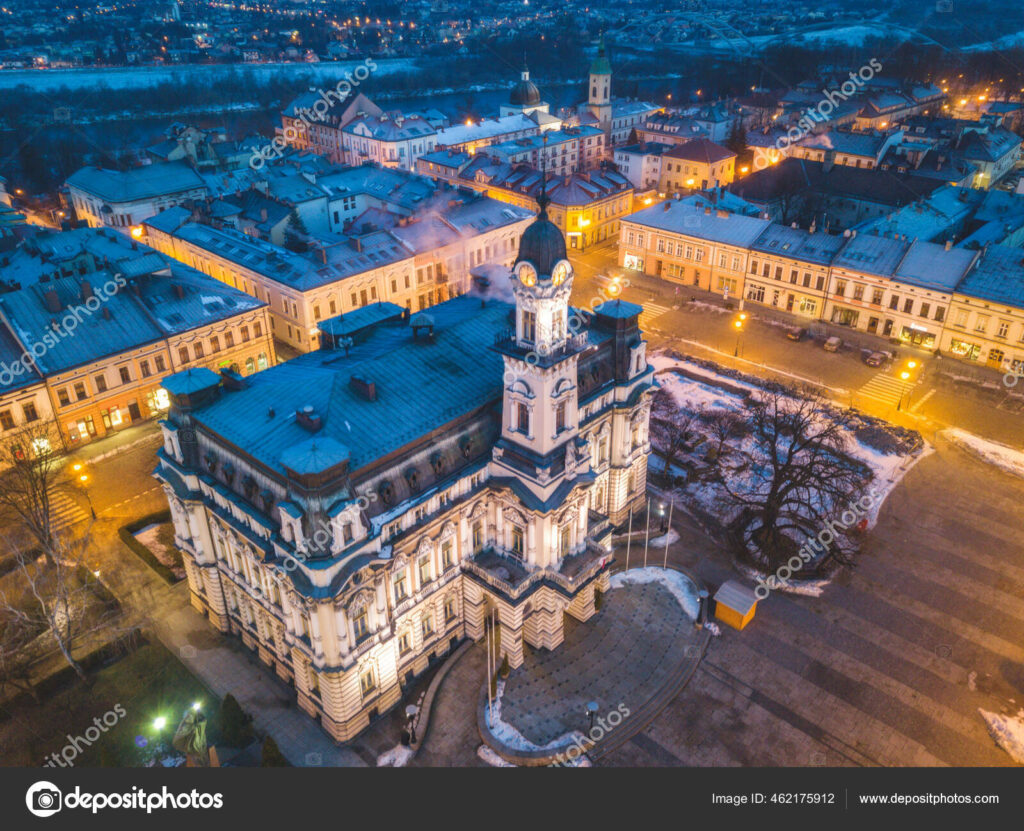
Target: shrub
(271, 755)
(235, 724)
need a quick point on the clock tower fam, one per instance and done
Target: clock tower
(540, 448)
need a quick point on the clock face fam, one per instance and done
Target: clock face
(527, 274)
(559, 273)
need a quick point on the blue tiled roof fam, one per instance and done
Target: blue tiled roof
(618, 308)
(420, 385)
(998, 277)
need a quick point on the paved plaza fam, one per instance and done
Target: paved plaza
(623, 656)
(891, 664)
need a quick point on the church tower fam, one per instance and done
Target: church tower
(600, 101)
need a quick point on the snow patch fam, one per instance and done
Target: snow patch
(397, 757)
(1006, 458)
(1008, 732)
(492, 758)
(510, 737)
(679, 584)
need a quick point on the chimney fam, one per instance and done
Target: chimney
(179, 291)
(86, 290)
(363, 387)
(263, 214)
(52, 301)
(106, 313)
(949, 244)
(308, 419)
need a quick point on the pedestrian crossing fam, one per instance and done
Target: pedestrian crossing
(887, 389)
(65, 510)
(651, 312)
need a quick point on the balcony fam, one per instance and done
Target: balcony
(509, 576)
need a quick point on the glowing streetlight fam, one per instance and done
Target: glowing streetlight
(159, 723)
(904, 375)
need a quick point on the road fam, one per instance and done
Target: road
(698, 323)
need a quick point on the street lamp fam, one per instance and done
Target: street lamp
(78, 471)
(661, 513)
(738, 326)
(591, 713)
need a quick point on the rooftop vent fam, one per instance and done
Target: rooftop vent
(308, 419)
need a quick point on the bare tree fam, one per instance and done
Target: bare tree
(796, 475)
(725, 426)
(31, 471)
(55, 601)
(672, 427)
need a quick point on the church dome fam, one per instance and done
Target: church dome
(525, 93)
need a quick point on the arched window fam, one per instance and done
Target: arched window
(261, 361)
(250, 366)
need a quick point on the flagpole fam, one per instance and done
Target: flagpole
(629, 536)
(489, 675)
(647, 534)
(669, 531)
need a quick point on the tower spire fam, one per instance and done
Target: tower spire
(542, 200)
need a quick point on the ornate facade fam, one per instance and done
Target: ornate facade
(355, 512)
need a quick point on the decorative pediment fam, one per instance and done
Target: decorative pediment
(425, 547)
(448, 530)
(512, 515)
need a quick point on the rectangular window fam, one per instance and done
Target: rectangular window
(360, 625)
(424, 569)
(894, 301)
(183, 354)
(1003, 330)
(529, 326)
(841, 288)
(80, 392)
(404, 645)
(366, 682)
(401, 586)
(478, 536)
(101, 382)
(449, 610)
(560, 417)
(876, 297)
(517, 541)
(245, 333)
(908, 305)
(214, 345)
(126, 376)
(522, 418)
(198, 347)
(160, 365)
(6, 420)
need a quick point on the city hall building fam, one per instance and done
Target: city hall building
(355, 512)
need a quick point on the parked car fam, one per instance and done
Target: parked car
(874, 358)
(833, 344)
(796, 333)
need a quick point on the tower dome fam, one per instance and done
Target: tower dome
(542, 244)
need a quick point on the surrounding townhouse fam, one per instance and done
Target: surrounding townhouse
(414, 260)
(696, 165)
(124, 199)
(704, 247)
(106, 319)
(986, 316)
(586, 207)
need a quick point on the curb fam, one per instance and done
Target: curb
(428, 699)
